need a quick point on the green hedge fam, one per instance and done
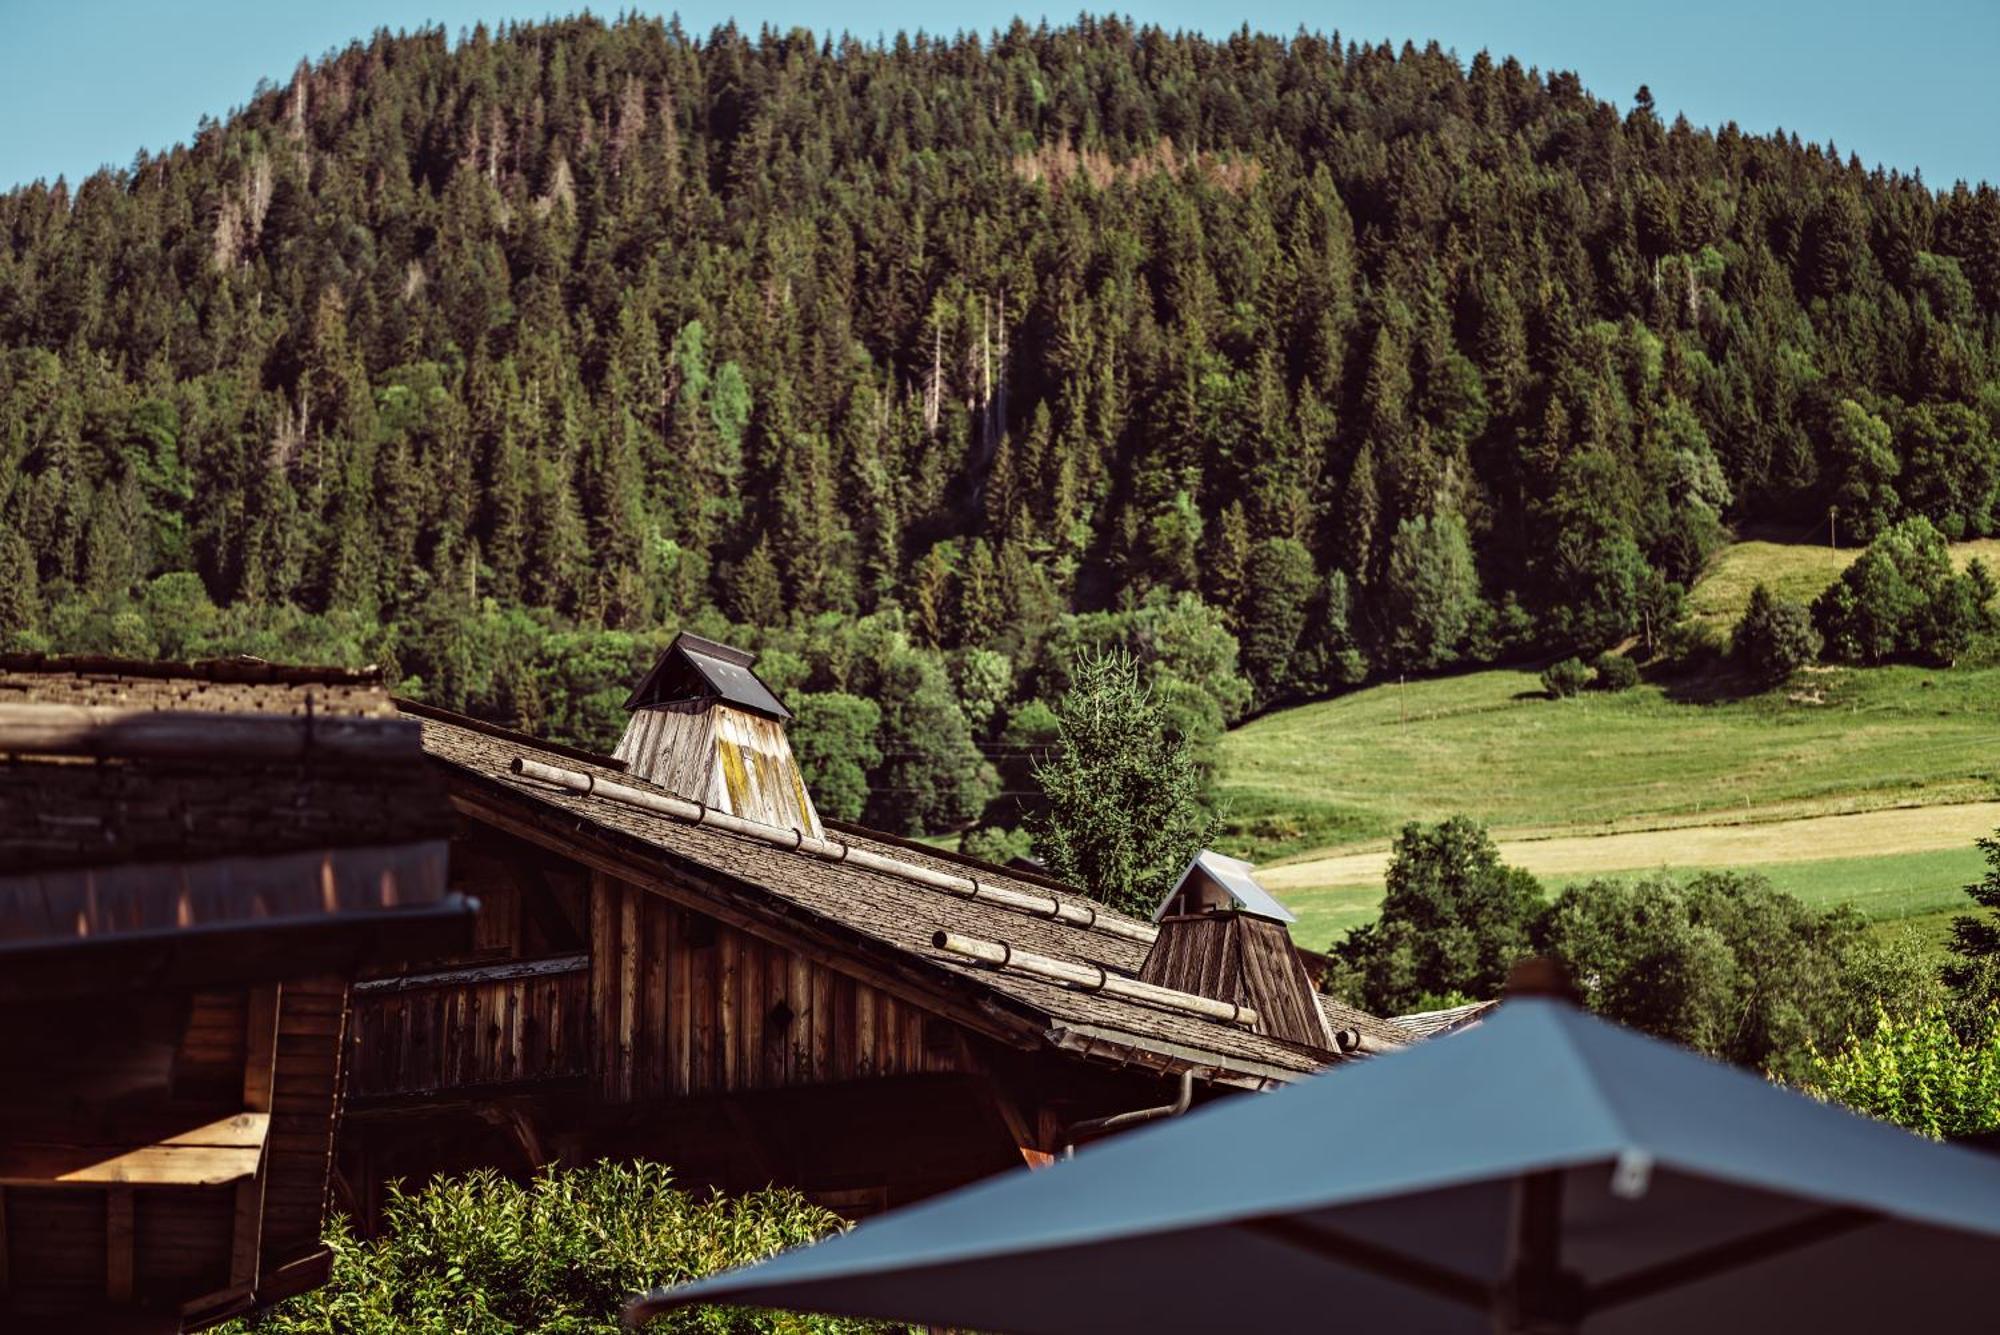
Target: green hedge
(483, 1255)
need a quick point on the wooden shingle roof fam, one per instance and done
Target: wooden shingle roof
(1431, 1024)
(888, 919)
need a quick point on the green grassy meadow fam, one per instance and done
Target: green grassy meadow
(1350, 771)
(1342, 775)
(1792, 570)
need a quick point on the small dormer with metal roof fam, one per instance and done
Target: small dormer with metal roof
(1223, 936)
(1213, 882)
(706, 728)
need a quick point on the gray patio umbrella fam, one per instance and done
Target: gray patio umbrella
(1544, 1171)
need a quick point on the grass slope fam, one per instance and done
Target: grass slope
(1795, 571)
(1339, 776)
(1352, 770)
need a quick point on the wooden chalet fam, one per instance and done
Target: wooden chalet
(665, 967)
(195, 861)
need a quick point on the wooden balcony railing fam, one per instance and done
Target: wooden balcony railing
(519, 1023)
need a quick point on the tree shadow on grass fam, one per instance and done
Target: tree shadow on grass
(1718, 683)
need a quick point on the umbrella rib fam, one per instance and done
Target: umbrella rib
(1359, 1254)
(1711, 1261)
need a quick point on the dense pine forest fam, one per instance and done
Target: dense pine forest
(1281, 362)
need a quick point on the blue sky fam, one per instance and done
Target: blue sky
(1910, 84)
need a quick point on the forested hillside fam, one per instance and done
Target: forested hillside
(489, 360)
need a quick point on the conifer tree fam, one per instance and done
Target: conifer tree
(1125, 810)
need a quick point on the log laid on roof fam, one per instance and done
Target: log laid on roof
(1091, 978)
(831, 850)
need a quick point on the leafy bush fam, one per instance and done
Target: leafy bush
(996, 844)
(1917, 1073)
(1691, 647)
(1454, 919)
(486, 1256)
(1902, 599)
(1725, 964)
(1565, 679)
(833, 736)
(1719, 962)
(1615, 672)
(1775, 638)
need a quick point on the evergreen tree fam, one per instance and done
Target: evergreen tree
(1774, 639)
(1124, 806)
(1430, 592)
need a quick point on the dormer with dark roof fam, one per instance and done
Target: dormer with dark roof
(694, 670)
(706, 728)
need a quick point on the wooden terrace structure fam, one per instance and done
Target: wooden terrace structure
(194, 862)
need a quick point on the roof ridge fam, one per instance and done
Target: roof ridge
(439, 714)
(237, 668)
(664, 802)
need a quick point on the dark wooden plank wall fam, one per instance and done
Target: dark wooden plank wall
(1241, 958)
(425, 1040)
(689, 1006)
(208, 1061)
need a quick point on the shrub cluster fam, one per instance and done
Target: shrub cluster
(1720, 962)
(483, 1255)
(1565, 679)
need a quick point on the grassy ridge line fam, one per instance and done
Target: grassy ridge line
(1796, 571)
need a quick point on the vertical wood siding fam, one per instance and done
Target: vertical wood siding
(693, 1006)
(670, 1004)
(427, 1039)
(731, 760)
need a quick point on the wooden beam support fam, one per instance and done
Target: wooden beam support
(260, 1062)
(247, 1238)
(260, 1075)
(481, 973)
(1022, 1129)
(118, 1244)
(203, 1157)
(518, 1122)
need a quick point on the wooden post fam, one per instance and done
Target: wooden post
(629, 942)
(603, 979)
(260, 1061)
(247, 1238)
(118, 1244)
(260, 1070)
